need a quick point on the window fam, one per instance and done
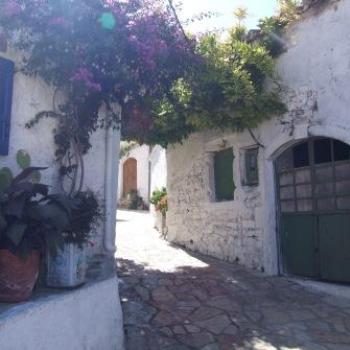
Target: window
(6, 83)
(301, 155)
(251, 177)
(322, 151)
(223, 175)
(341, 151)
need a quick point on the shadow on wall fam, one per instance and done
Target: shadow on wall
(223, 306)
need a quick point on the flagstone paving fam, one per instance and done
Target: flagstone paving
(175, 300)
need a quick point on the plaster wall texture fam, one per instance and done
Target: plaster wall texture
(158, 168)
(31, 96)
(315, 74)
(141, 154)
(158, 175)
(67, 321)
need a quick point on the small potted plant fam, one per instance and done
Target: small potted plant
(159, 199)
(29, 225)
(66, 268)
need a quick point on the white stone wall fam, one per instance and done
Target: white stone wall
(158, 179)
(315, 73)
(31, 96)
(89, 318)
(158, 168)
(73, 322)
(141, 154)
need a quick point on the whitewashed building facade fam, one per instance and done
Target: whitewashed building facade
(89, 317)
(289, 189)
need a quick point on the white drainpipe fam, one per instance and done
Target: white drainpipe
(111, 184)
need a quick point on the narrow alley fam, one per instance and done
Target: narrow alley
(176, 300)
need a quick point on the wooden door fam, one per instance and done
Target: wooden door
(129, 176)
(314, 203)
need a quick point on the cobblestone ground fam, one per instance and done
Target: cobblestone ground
(175, 300)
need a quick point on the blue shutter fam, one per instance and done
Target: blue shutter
(6, 86)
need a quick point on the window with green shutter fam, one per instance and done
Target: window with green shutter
(251, 167)
(223, 175)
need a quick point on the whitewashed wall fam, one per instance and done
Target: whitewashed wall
(84, 319)
(158, 179)
(31, 96)
(316, 74)
(158, 168)
(141, 154)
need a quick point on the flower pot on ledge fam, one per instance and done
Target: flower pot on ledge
(17, 276)
(67, 269)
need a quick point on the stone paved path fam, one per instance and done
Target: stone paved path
(175, 300)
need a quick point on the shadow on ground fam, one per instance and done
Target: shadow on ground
(223, 306)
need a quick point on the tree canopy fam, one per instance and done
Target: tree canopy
(136, 53)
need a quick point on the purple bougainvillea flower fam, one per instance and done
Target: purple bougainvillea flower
(84, 76)
(58, 21)
(11, 8)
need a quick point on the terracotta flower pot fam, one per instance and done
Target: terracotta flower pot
(17, 276)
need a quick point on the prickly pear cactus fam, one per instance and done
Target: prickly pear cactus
(6, 177)
(23, 159)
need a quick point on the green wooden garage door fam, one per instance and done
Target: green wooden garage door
(314, 204)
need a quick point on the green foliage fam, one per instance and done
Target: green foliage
(126, 147)
(272, 28)
(84, 218)
(240, 14)
(133, 201)
(6, 177)
(289, 10)
(271, 34)
(30, 218)
(226, 91)
(25, 222)
(23, 159)
(159, 199)
(135, 53)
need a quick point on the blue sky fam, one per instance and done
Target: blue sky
(256, 9)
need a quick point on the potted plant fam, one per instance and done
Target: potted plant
(29, 225)
(159, 199)
(67, 266)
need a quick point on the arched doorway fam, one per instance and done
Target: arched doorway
(129, 176)
(313, 187)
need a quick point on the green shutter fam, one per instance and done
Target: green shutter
(223, 173)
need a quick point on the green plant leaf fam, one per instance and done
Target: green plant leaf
(16, 232)
(5, 178)
(31, 189)
(23, 159)
(27, 173)
(36, 176)
(67, 203)
(52, 215)
(16, 205)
